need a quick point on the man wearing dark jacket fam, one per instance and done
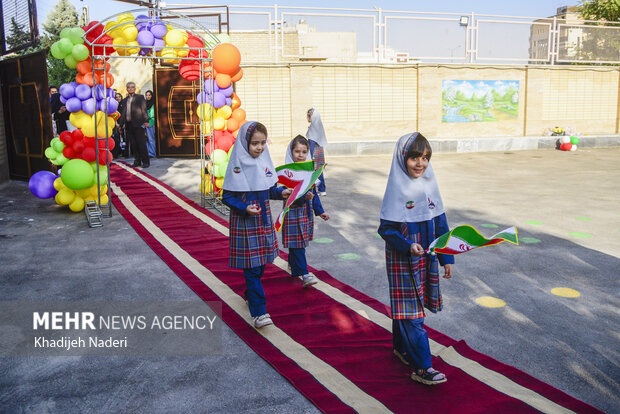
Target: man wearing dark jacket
(134, 119)
(59, 111)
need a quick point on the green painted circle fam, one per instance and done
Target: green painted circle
(534, 222)
(349, 256)
(529, 240)
(323, 240)
(378, 236)
(580, 235)
(583, 218)
(490, 226)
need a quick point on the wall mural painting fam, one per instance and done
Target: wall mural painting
(479, 100)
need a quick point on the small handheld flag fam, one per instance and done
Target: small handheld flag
(300, 176)
(462, 239)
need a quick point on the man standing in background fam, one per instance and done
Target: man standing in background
(134, 119)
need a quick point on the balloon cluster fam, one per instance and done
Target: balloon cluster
(79, 97)
(78, 183)
(567, 143)
(70, 47)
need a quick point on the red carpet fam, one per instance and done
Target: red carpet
(331, 342)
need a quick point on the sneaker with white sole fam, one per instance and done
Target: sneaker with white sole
(428, 376)
(322, 193)
(262, 320)
(309, 280)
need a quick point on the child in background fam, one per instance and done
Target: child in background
(412, 216)
(298, 225)
(249, 183)
(318, 141)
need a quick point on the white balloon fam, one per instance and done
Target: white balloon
(565, 140)
(573, 148)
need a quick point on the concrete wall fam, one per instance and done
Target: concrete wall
(4, 158)
(381, 103)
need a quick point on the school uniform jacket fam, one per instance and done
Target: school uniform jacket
(414, 280)
(253, 241)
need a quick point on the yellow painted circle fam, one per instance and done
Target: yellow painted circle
(490, 302)
(565, 292)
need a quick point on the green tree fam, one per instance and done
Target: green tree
(600, 43)
(19, 35)
(63, 15)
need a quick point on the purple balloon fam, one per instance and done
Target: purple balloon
(159, 44)
(202, 97)
(88, 106)
(159, 30)
(112, 105)
(209, 88)
(229, 101)
(83, 91)
(74, 84)
(227, 91)
(145, 38)
(142, 25)
(67, 90)
(219, 100)
(74, 104)
(63, 99)
(41, 184)
(144, 51)
(110, 93)
(99, 92)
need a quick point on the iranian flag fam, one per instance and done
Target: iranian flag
(300, 176)
(465, 238)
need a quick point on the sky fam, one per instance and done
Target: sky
(101, 9)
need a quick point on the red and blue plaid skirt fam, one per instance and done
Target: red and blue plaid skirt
(253, 241)
(298, 226)
(318, 156)
(414, 281)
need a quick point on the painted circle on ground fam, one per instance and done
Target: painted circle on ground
(535, 222)
(565, 292)
(490, 226)
(583, 218)
(323, 240)
(580, 235)
(349, 256)
(378, 236)
(529, 240)
(490, 302)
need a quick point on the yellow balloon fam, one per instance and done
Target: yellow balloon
(204, 111)
(58, 184)
(76, 119)
(77, 205)
(133, 50)
(219, 182)
(65, 196)
(205, 127)
(218, 123)
(224, 112)
(108, 28)
(174, 38)
(130, 32)
(182, 52)
(83, 193)
(125, 17)
(104, 199)
(88, 126)
(116, 42)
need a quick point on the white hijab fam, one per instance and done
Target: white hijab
(410, 199)
(288, 158)
(316, 132)
(244, 172)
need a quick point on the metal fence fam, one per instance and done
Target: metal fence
(279, 34)
(18, 25)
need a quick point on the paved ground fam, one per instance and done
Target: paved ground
(566, 206)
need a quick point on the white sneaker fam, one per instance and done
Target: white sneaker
(263, 320)
(322, 193)
(309, 280)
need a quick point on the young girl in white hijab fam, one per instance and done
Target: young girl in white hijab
(298, 225)
(249, 183)
(412, 216)
(318, 141)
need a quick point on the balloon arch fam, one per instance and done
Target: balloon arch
(154, 34)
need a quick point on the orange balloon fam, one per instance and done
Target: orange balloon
(109, 79)
(237, 76)
(84, 67)
(236, 102)
(226, 58)
(222, 80)
(232, 124)
(239, 115)
(79, 78)
(234, 133)
(88, 78)
(116, 115)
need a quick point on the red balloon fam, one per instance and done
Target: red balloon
(102, 158)
(78, 147)
(88, 154)
(189, 69)
(77, 134)
(68, 152)
(66, 137)
(111, 144)
(89, 142)
(566, 147)
(224, 140)
(208, 148)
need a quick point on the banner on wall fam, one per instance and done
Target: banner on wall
(479, 100)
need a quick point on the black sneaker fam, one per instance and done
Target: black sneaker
(428, 376)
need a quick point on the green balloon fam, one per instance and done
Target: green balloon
(50, 153)
(70, 62)
(64, 33)
(75, 35)
(57, 145)
(79, 52)
(65, 46)
(574, 140)
(61, 159)
(77, 174)
(103, 176)
(219, 157)
(55, 49)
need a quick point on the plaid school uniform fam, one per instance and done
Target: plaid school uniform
(253, 240)
(414, 281)
(298, 226)
(318, 156)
